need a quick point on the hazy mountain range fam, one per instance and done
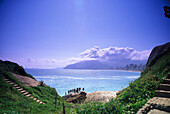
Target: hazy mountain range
(109, 58)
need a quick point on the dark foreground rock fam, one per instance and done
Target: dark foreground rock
(76, 97)
(156, 53)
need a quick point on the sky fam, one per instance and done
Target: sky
(54, 33)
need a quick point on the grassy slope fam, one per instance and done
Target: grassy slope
(136, 94)
(12, 101)
(129, 101)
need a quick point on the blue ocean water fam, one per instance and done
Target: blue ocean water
(92, 80)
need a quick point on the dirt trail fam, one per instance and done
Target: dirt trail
(26, 81)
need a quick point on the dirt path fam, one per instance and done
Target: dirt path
(26, 81)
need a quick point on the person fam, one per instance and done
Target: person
(83, 89)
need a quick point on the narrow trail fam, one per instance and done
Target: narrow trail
(161, 103)
(22, 90)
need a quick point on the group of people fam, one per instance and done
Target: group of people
(74, 90)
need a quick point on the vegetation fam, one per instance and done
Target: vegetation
(132, 98)
(128, 101)
(13, 67)
(12, 101)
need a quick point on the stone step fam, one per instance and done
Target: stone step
(9, 81)
(31, 97)
(28, 95)
(20, 89)
(156, 111)
(34, 98)
(25, 93)
(6, 79)
(163, 93)
(15, 85)
(166, 81)
(164, 87)
(12, 83)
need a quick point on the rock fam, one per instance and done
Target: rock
(101, 96)
(98, 96)
(159, 103)
(76, 98)
(157, 52)
(155, 111)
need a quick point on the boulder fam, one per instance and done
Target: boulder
(156, 53)
(75, 98)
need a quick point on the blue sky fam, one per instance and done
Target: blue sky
(55, 31)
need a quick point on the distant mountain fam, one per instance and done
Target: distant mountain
(92, 64)
(96, 64)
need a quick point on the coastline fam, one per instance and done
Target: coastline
(129, 70)
(106, 69)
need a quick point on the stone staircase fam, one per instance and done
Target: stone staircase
(23, 91)
(161, 103)
(164, 88)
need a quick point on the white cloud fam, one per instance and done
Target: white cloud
(109, 54)
(113, 53)
(30, 62)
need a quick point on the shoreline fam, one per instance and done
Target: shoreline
(85, 69)
(129, 70)
(107, 69)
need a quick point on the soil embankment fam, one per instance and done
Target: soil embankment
(26, 81)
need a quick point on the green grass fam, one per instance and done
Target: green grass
(130, 100)
(136, 94)
(13, 102)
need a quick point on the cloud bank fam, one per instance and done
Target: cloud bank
(114, 53)
(108, 55)
(42, 63)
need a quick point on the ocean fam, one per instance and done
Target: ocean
(91, 80)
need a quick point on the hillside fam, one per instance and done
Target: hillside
(12, 101)
(96, 64)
